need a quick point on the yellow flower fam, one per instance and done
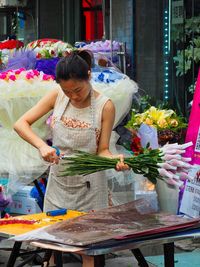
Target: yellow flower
(158, 115)
(174, 123)
(140, 118)
(162, 123)
(148, 121)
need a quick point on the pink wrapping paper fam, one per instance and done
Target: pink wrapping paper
(193, 131)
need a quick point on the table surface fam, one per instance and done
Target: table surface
(116, 245)
(41, 220)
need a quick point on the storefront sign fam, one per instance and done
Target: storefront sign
(190, 204)
(193, 131)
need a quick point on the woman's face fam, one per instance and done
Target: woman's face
(76, 90)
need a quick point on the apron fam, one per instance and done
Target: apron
(81, 193)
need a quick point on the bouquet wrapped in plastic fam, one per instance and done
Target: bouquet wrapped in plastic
(48, 48)
(168, 124)
(20, 90)
(7, 48)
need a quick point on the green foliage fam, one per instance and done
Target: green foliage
(189, 36)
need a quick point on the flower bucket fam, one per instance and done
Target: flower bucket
(167, 197)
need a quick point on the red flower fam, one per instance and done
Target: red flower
(11, 44)
(38, 55)
(136, 146)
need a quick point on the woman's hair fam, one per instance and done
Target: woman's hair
(74, 66)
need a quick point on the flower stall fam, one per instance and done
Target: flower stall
(28, 75)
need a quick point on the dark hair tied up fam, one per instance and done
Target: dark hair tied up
(74, 66)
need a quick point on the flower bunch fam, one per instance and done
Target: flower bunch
(102, 46)
(158, 118)
(29, 75)
(168, 124)
(85, 163)
(42, 42)
(50, 48)
(21, 83)
(135, 144)
(166, 163)
(11, 44)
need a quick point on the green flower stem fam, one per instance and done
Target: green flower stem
(84, 164)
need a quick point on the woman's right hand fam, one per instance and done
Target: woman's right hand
(48, 154)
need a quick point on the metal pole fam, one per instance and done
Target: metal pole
(111, 37)
(37, 19)
(104, 19)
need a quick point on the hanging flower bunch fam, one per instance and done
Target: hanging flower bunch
(50, 48)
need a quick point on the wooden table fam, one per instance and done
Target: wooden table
(10, 230)
(90, 255)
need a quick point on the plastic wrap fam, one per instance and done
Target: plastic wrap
(121, 184)
(148, 134)
(121, 93)
(19, 161)
(132, 220)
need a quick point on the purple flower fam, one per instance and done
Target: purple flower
(48, 66)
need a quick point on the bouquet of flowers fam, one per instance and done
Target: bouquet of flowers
(165, 163)
(168, 124)
(102, 46)
(50, 48)
(11, 44)
(7, 48)
(20, 90)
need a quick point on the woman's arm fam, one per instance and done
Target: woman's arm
(23, 125)
(108, 117)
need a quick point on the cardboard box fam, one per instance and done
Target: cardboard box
(22, 203)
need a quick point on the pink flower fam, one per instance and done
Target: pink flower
(29, 76)
(12, 77)
(46, 77)
(36, 72)
(19, 70)
(3, 76)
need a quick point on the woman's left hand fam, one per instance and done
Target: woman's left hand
(121, 166)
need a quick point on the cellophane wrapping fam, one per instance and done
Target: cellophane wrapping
(19, 161)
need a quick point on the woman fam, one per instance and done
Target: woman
(82, 120)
